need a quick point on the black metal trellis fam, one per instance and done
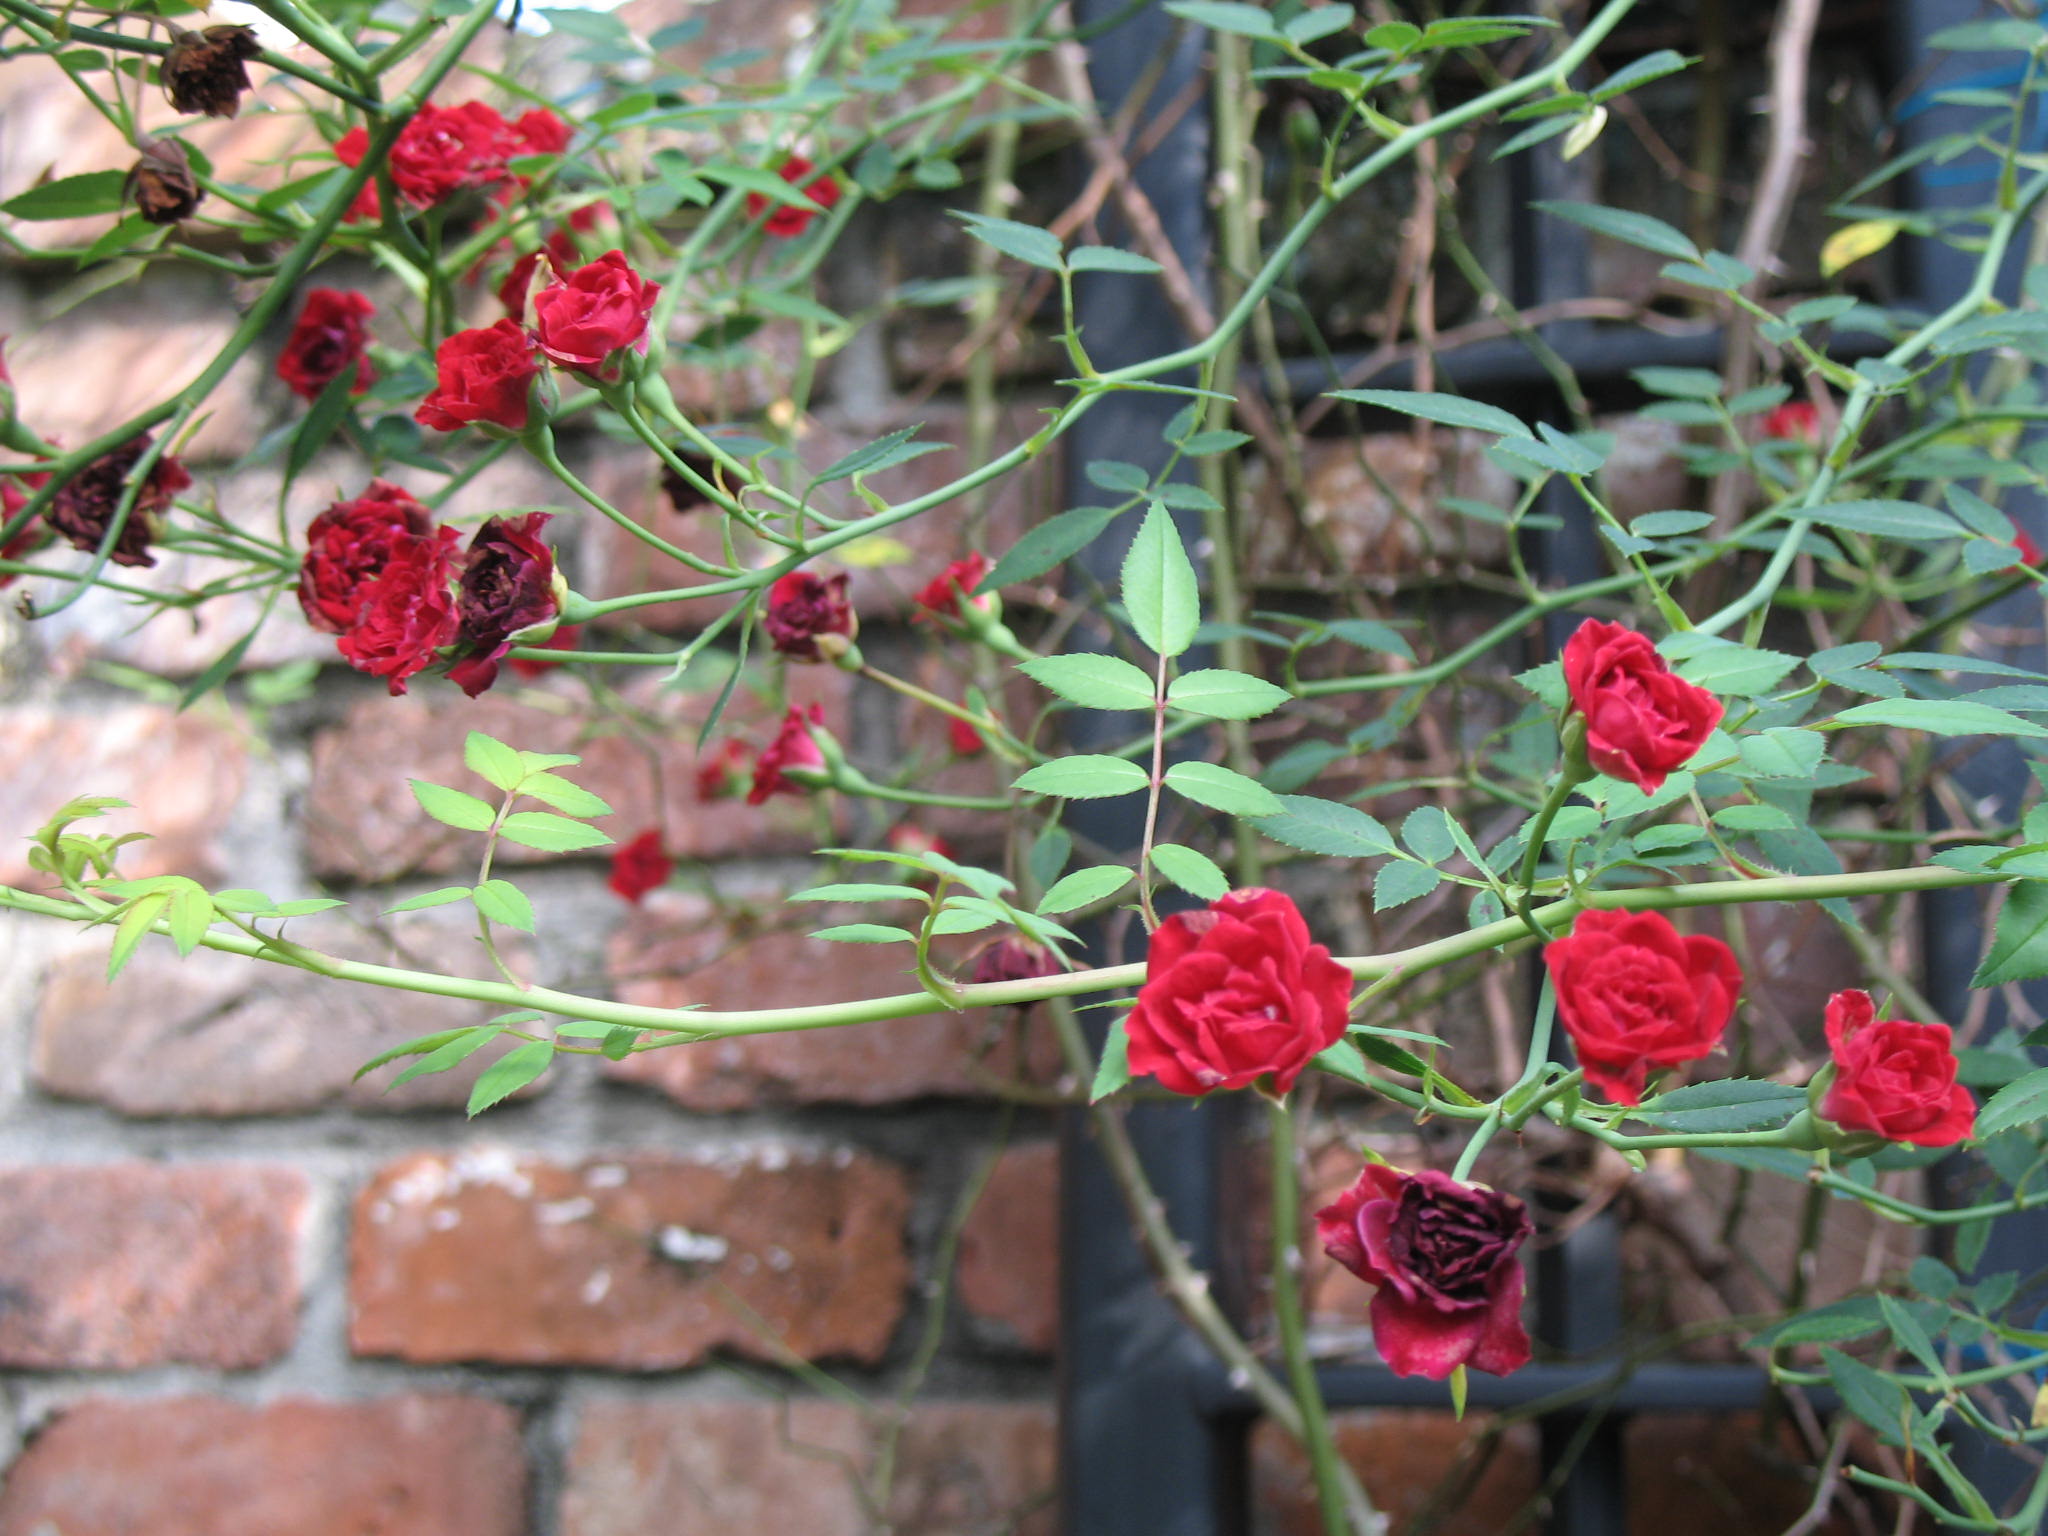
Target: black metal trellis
(1153, 1434)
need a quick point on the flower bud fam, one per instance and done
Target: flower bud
(162, 184)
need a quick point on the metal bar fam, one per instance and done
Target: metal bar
(1649, 1389)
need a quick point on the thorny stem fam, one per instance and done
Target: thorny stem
(1288, 1320)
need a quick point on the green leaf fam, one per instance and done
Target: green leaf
(570, 799)
(1090, 776)
(1227, 16)
(1114, 1070)
(464, 1044)
(1221, 694)
(1872, 1396)
(1784, 752)
(503, 902)
(1045, 546)
(1401, 882)
(1326, 827)
(137, 918)
(492, 761)
(451, 807)
(1730, 1104)
(323, 416)
(1630, 228)
(508, 1074)
(1940, 717)
(1195, 873)
(1886, 519)
(1222, 789)
(1107, 258)
(618, 1042)
(1427, 832)
(1083, 888)
(414, 1047)
(1651, 66)
(858, 892)
(1029, 244)
(1448, 410)
(550, 833)
(1839, 1320)
(447, 895)
(1116, 475)
(882, 453)
(2014, 1105)
(1726, 668)
(69, 197)
(1159, 588)
(865, 933)
(1094, 682)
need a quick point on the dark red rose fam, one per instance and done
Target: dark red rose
(348, 546)
(723, 774)
(639, 867)
(1446, 1260)
(788, 220)
(809, 618)
(684, 497)
(940, 597)
(1642, 719)
(589, 319)
(83, 508)
(485, 377)
(568, 637)
(1894, 1079)
(406, 615)
(162, 184)
(540, 132)
(207, 71)
(1795, 421)
(508, 584)
(442, 151)
(793, 747)
(1635, 996)
(328, 339)
(1013, 959)
(1234, 994)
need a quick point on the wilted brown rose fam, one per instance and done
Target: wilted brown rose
(162, 184)
(206, 71)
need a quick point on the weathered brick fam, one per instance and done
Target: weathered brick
(708, 1468)
(182, 773)
(1709, 1474)
(115, 1266)
(362, 822)
(202, 1466)
(1407, 1461)
(219, 1034)
(637, 1262)
(680, 953)
(1009, 1249)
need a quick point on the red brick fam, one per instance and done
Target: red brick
(709, 1468)
(362, 822)
(488, 1255)
(115, 1266)
(182, 773)
(676, 952)
(1710, 1474)
(219, 1034)
(1009, 1249)
(201, 1466)
(1407, 1461)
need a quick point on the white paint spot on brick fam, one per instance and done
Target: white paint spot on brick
(556, 1212)
(596, 1288)
(687, 1247)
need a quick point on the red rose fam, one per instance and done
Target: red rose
(83, 508)
(809, 618)
(1635, 996)
(2030, 553)
(1894, 1079)
(788, 220)
(516, 288)
(1234, 994)
(723, 772)
(407, 613)
(963, 738)
(12, 499)
(908, 837)
(485, 376)
(793, 747)
(508, 584)
(540, 132)
(1445, 1257)
(1795, 421)
(441, 151)
(1013, 959)
(567, 637)
(348, 546)
(589, 318)
(328, 339)
(1642, 719)
(940, 597)
(639, 867)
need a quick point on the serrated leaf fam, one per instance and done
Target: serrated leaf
(1627, 226)
(1159, 588)
(1784, 752)
(1872, 1396)
(418, 1046)
(1400, 882)
(1885, 519)
(1116, 475)
(1728, 1104)
(1083, 888)
(550, 833)
(1222, 789)
(441, 898)
(2016, 1104)
(964, 919)
(451, 807)
(69, 197)
(865, 933)
(503, 902)
(1940, 717)
(1326, 827)
(570, 799)
(1045, 546)
(1831, 1324)
(1090, 776)
(1220, 694)
(136, 920)
(618, 1042)
(1196, 873)
(508, 1074)
(1114, 1070)
(1447, 410)
(465, 1044)
(1107, 258)
(1026, 242)
(1092, 681)
(858, 892)
(1427, 833)
(1651, 66)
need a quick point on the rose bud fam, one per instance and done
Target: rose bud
(1642, 719)
(327, 340)
(508, 587)
(809, 618)
(207, 71)
(83, 508)
(1013, 959)
(940, 597)
(406, 614)
(723, 774)
(162, 184)
(566, 638)
(793, 748)
(1234, 994)
(1445, 1258)
(1795, 421)
(1893, 1078)
(639, 867)
(484, 378)
(963, 738)
(348, 546)
(788, 220)
(1635, 996)
(589, 320)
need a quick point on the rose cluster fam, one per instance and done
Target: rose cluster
(442, 151)
(392, 586)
